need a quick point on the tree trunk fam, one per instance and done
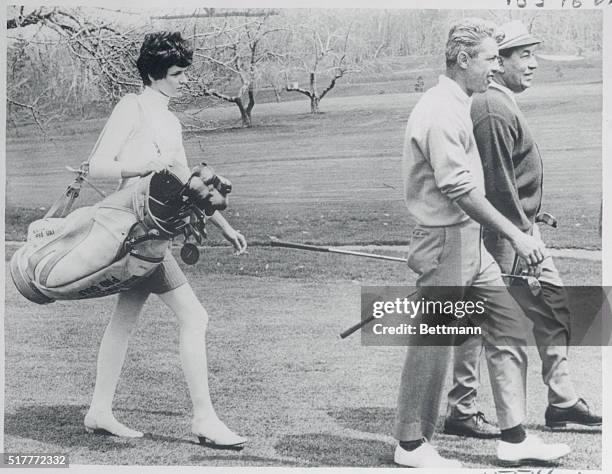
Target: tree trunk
(314, 104)
(246, 118)
(245, 114)
(314, 100)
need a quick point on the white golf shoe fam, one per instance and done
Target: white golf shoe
(423, 456)
(532, 449)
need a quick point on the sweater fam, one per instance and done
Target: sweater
(440, 161)
(140, 128)
(511, 160)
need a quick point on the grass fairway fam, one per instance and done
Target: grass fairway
(279, 372)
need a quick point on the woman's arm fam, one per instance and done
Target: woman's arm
(230, 234)
(118, 129)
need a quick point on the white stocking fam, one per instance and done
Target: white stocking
(111, 356)
(193, 320)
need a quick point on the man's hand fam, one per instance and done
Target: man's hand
(530, 249)
(475, 205)
(236, 239)
(535, 271)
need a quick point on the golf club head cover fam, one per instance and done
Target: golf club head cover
(209, 190)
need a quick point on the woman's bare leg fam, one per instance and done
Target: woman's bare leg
(193, 321)
(111, 356)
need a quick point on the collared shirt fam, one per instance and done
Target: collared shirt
(140, 128)
(440, 161)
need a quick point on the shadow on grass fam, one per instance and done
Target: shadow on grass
(321, 449)
(141, 412)
(241, 460)
(379, 420)
(491, 460)
(574, 429)
(61, 425)
(368, 419)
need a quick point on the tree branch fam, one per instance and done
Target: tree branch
(33, 111)
(31, 18)
(220, 63)
(331, 85)
(306, 92)
(219, 95)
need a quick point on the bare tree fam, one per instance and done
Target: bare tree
(60, 58)
(232, 57)
(319, 52)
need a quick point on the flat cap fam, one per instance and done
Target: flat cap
(515, 34)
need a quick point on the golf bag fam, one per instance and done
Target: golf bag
(111, 246)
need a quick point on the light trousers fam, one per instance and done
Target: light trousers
(454, 256)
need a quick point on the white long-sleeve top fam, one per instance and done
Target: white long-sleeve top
(140, 128)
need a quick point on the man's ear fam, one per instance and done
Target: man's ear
(501, 65)
(463, 59)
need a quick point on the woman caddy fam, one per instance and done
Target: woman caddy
(140, 137)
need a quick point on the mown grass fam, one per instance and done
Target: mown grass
(279, 373)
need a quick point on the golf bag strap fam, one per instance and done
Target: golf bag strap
(63, 205)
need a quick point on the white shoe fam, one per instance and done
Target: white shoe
(106, 424)
(423, 456)
(531, 449)
(213, 433)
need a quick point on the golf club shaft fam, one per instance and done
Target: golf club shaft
(317, 248)
(369, 319)
(356, 327)
(360, 324)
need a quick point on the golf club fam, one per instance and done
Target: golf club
(531, 281)
(274, 242)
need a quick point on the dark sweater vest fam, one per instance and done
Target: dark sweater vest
(510, 157)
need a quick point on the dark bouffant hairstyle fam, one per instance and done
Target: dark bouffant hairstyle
(159, 52)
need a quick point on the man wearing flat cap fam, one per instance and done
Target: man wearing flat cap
(513, 184)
